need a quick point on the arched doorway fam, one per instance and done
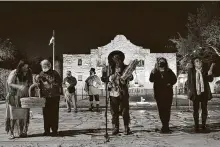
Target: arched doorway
(181, 84)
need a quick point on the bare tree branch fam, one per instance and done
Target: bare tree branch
(215, 49)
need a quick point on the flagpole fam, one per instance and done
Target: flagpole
(53, 49)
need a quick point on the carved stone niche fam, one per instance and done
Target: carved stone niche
(120, 42)
(67, 59)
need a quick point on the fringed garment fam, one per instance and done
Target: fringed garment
(119, 96)
(92, 84)
(15, 115)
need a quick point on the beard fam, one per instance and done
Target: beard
(45, 69)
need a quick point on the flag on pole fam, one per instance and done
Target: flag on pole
(51, 40)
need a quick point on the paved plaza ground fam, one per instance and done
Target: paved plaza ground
(85, 129)
(135, 102)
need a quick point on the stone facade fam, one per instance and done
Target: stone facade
(98, 57)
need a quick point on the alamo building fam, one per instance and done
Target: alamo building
(80, 64)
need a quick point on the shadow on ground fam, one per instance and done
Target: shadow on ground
(213, 127)
(72, 133)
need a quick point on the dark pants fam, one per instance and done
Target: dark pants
(96, 97)
(71, 99)
(51, 114)
(164, 107)
(123, 104)
(196, 104)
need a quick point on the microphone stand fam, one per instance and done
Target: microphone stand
(106, 116)
(106, 80)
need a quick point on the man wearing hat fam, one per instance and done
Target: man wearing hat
(92, 85)
(119, 96)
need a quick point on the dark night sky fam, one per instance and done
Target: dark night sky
(81, 26)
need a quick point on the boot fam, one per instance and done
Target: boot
(115, 129)
(23, 135)
(165, 130)
(11, 136)
(127, 130)
(97, 108)
(196, 129)
(75, 110)
(196, 120)
(91, 107)
(204, 127)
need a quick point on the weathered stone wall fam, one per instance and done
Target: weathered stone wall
(131, 51)
(98, 57)
(70, 62)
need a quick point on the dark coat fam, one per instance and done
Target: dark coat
(191, 84)
(163, 87)
(124, 87)
(72, 81)
(55, 82)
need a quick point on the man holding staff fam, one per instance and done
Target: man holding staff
(118, 88)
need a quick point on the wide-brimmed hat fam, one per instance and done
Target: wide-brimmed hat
(116, 52)
(193, 58)
(92, 69)
(161, 58)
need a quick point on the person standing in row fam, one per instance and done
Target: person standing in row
(164, 79)
(50, 88)
(18, 83)
(118, 89)
(69, 84)
(92, 85)
(199, 90)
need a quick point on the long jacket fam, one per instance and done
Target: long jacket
(92, 85)
(191, 84)
(163, 85)
(55, 83)
(114, 81)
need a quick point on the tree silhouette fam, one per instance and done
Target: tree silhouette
(203, 37)
(9, 54)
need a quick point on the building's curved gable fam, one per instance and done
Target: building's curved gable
(120, 42)
(98, 57)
